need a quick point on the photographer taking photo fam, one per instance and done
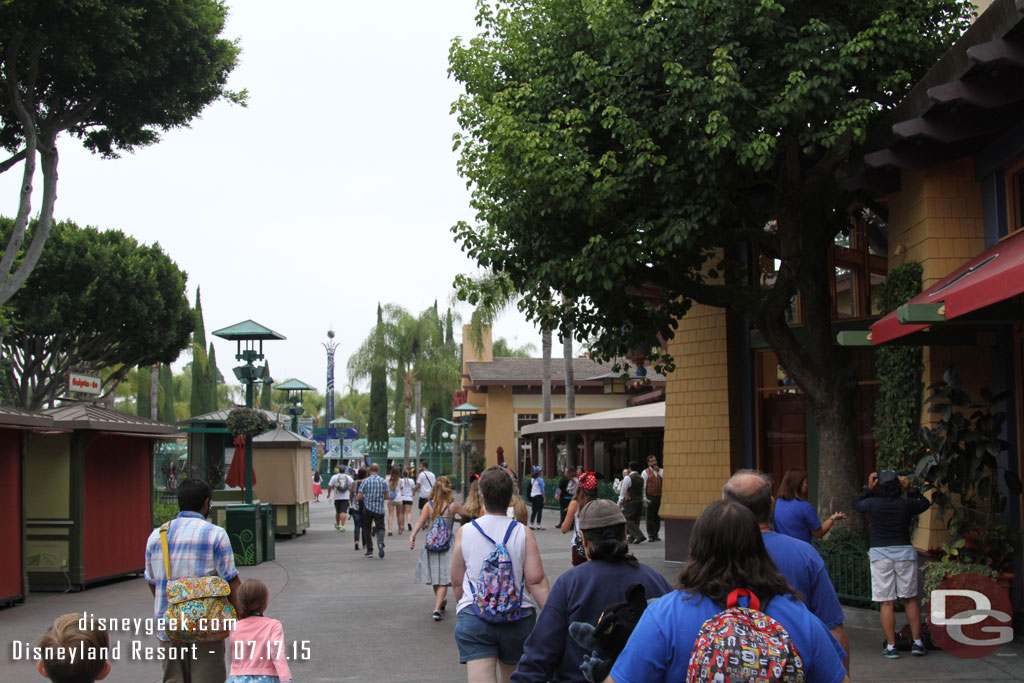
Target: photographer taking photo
(893, 558)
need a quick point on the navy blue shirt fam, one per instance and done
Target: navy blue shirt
(890, 517)
(580, 594)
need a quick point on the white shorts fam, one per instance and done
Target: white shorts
(893, 578)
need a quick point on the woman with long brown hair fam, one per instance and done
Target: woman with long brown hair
(395, 507)
(794, 514)
(434, 566)
(586, 491)
(728, 562)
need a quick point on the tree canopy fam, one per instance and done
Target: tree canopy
(673, 143)
(96, 300)
(114, 74)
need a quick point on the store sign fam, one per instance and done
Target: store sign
(84, 384)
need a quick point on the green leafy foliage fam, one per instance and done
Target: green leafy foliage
(899, 369)
(247, 422)
(163, 512)
(166, 412)
(143, 384)
(962, 470)
(937, 570)
(96, 300)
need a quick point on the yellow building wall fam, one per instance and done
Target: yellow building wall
(696, 451)
(48, 477)
(501, 424)
(936, 219)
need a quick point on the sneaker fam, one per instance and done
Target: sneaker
(639, 541)
(380, 551)
(540, 528)
(653, 539)
(357, 546)
(369, 553)
(437, 615)
(342, 527)
(918, 650)
(337, 527)
(890, 652)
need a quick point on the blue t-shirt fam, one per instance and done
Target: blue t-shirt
(796, 518)
(803, 567)
(580, 594)
(659, 649)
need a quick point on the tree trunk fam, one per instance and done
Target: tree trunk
(154, 386)
(419, 420)
(570, 397)
(545, 345)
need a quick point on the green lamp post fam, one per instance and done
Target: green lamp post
(293, 389)
(466, 411)
(247, 334)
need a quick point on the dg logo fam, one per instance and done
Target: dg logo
(969, 616)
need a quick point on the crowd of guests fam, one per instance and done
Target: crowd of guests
(751, 573)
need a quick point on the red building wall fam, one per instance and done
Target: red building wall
(10, 515)
(118, 508)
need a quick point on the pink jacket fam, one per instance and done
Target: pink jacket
(258, 648)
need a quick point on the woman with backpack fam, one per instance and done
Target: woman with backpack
(434, 567)
(499, 581)
(732, 604)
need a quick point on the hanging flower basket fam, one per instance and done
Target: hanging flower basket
(247, 422)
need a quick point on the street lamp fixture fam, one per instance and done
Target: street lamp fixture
(294, 389)
(250, 336)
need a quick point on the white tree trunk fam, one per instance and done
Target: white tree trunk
(154, 391)
(545, 345)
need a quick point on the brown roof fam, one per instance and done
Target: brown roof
(95, 417)
(531, 370)
(16, 417)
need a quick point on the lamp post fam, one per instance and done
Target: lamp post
(247, 333)
(460, 427)
(293, 389)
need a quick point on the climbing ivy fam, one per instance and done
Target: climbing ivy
(899, 368)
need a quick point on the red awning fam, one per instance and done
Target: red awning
(992, 276)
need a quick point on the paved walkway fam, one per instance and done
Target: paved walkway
(364, 620)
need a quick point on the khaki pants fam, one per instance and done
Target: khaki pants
(205, 666)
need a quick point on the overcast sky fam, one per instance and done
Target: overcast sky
(334, 189)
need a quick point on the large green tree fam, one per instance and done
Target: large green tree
(166, 394)
(113, 73)
(95, 300)
(626, 142)
(377, 422)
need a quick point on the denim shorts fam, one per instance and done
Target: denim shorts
(479, 640)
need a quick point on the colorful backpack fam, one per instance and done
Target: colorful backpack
(440, 535)
(743, 644)
(495, 599)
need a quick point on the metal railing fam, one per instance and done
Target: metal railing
(849, 568)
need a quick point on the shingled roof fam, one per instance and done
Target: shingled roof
(531, 370)
(98, 418)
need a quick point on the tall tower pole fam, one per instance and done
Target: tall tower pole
(330, 346)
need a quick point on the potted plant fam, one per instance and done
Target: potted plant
(960, 467)
(247, 422)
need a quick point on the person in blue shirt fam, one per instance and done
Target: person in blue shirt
(582, 594)
(799, 562)
(794, 515)
(727, 552)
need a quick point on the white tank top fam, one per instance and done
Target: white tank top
(475, 548)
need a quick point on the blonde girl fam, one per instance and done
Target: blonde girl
(434, 566)
(395, 507)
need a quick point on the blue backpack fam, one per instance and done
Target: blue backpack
(440, 535)
(495, 599)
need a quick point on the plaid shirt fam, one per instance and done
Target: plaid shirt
(196, 547)
(375, 492)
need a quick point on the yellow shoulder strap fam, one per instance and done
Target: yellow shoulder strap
(166, 552)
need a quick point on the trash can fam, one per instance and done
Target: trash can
(244, 525)
(269, 523)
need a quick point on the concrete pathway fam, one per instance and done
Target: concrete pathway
(364, 620)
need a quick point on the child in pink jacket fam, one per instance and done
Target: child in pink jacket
(258, 650)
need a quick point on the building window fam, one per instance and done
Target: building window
(1015, 198)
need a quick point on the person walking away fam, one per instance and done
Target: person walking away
(563, 494)
(631, 498)
(537, 499)
(653, 477)
(727, 554)
(796, 560)
(794, 515)
(473, 506)
(317, 488)
(395, 508)
(195, 548)
(405, 488)
(372, 493)
(341, 486)
(585, 492)
(582, 594)
(499, 584)
(258, 648)
(424, 482)
(893, 558)
(357, 505)
(435, 563)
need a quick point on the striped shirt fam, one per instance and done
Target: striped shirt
(375, 492)
(196, 548)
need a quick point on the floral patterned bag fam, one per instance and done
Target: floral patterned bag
(198, 607)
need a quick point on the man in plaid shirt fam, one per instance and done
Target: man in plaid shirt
(373, 491)
(196, 548)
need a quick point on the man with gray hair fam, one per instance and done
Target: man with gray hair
(798, 561)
